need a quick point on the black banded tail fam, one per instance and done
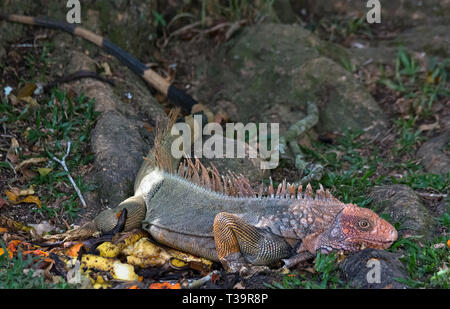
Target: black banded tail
(174, 94)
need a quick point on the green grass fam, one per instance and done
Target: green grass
(17, 273)
(338, 28)
(427, 262)
(424, 88)
(38, 65)
(326, 276)
(58, 119)
(408, 136)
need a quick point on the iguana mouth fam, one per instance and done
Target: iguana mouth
(375, 245)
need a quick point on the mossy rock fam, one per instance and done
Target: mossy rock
(267, 74)
(403, 206)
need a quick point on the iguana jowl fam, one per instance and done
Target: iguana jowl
(221, 218)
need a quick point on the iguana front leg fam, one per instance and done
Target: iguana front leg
(107, 220)
(238, 242)
(289, 139)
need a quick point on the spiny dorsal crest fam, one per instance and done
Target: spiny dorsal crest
(232, 184)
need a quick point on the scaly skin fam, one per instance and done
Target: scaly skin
(238, 231)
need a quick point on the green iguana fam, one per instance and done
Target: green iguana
(220, 217)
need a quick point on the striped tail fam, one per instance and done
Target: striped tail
(174, 94)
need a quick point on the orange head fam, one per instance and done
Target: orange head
(355, 228)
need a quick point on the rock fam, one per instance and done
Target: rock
(360, 270)
(250, 168)
(431, 40)
(403, 205)
(119, 150)
(276, 68)
(399, 13)
(120, 138)
(345, 103)
(434, 156)
(420, 26)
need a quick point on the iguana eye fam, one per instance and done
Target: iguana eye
(364, 224)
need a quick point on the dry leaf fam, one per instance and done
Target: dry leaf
(13, 152)
(9, 253)
(431, 79)
(73, 251)
(28, 174)
(15, 199)
(429, 127)
(106, 68)
(31, 101)
(164, 285)
(23, 192)
(42, 228)
(403, 106)
(29, 162)
(3, 230)
(26, 91)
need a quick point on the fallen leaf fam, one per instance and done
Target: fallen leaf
(9, 253)
(32, 200)
(13, 152)
(12, 245)
(29, 162)
(403, 106)
(26, 91)
(2, 202)
(3, 230)
(73, 251)
(106, 68)
(43, 171)
(164, 285)
(42, 228)
(429, 127)
(31, 101)
(431, 79)
(22, 192)
(28, 199)
(28, 174)
(14, 225)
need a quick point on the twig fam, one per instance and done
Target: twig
(198, 283)
(63, 164)
(431, 195)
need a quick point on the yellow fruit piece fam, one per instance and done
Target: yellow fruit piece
(108, 250)
(189, 258)
(144, 254)
(117, 269)
(178, 263)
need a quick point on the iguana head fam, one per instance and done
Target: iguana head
(355, 228)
